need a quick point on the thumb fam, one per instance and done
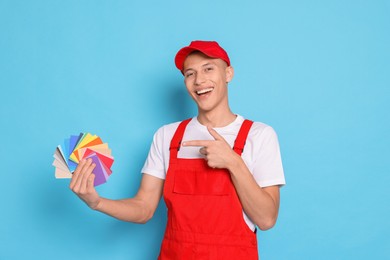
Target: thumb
(214, 133)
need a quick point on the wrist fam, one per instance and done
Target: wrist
(97, 205)
(235, 164)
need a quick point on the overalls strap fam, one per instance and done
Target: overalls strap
(241, 136)
(177, 138)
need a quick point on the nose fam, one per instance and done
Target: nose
(200, 78)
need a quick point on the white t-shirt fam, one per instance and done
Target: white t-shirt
(261, 152)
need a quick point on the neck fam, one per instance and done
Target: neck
(216, 118)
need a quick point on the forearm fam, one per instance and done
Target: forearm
(131, 210)
(261, 206)
(138, 209)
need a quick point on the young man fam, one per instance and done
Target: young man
(219, 173)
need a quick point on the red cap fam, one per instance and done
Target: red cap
(208, 48)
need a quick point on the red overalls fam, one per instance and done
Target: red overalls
(205, 219)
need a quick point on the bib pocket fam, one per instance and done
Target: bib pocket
(212, 182)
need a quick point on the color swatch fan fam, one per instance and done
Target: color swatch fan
(83, 146)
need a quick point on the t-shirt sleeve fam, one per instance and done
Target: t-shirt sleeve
(154, 164)
(268, 168)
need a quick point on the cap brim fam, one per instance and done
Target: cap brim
(182, 55)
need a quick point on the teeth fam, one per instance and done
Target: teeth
(199, 92)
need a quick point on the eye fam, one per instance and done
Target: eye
(189, 74)
(208, 69)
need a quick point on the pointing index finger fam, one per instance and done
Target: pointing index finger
(197, 143)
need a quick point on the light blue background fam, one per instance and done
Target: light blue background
(317, 71)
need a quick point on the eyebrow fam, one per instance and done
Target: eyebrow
(204, 65)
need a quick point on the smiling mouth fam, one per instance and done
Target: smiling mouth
(204, 91)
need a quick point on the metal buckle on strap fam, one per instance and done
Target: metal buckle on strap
(175, 147)
(238, 149)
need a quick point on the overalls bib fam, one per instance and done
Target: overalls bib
(205, 219)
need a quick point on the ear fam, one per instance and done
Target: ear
(229, 73)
